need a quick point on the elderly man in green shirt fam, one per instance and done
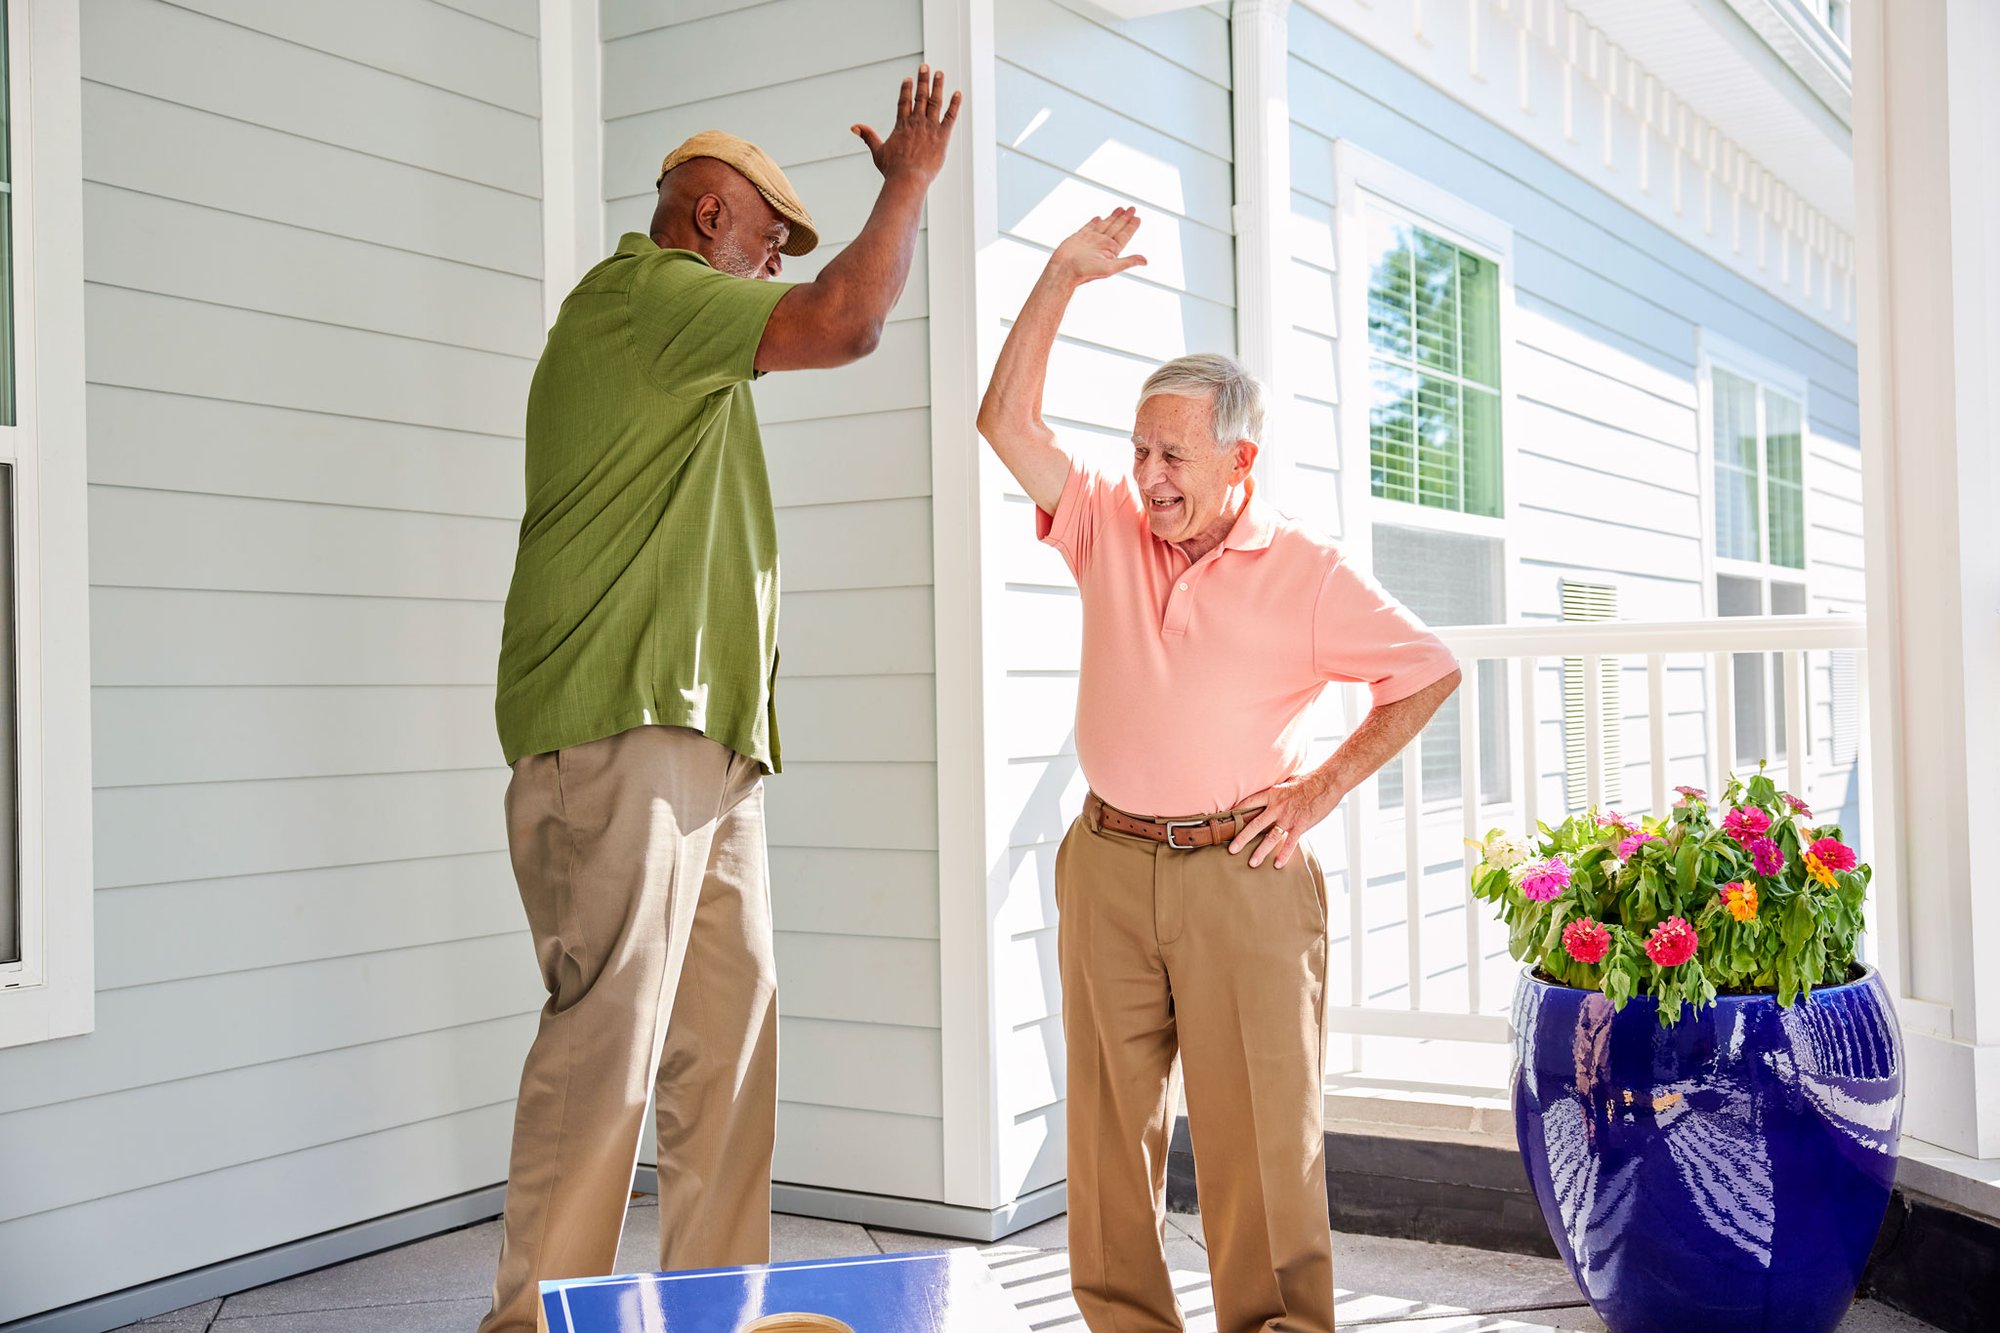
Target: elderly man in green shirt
(637, 672)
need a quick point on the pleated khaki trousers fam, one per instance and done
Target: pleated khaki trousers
(1195, 954)
(641, 863)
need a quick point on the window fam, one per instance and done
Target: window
(1835, 16)
(1756, 420)
(46, 944)
(1449, 579)
(10, 828)
(1433, 291)
(1434, 370)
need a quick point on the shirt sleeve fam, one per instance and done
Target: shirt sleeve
(1073, 529)
(695, 330)
(1361, 633)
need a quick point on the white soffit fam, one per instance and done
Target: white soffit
(1712, 59)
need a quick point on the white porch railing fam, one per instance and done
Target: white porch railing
(1431, 963)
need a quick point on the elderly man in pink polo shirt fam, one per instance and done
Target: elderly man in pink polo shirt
(1193, 919)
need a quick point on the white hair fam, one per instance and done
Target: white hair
(1237, 400)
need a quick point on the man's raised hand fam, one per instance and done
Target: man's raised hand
(1097, 250)
(923, 128)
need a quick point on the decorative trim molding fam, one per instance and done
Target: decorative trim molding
(1583, 99)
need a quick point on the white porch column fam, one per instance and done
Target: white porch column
(1262, 214)
(1927, 176)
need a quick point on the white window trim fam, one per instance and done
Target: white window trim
(52, 992)
(1364, 180)
(1713, 352)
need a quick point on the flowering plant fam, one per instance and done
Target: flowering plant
(1686, 907)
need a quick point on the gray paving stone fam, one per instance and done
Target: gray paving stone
(890, 1241)
(1384, 1277)
(1052, 1234)
(1576, 1319)
(192, 1317)
(455, 1266)
(794, 1238)
(1188, 1224)
(407, 1317)
(1874, 1317)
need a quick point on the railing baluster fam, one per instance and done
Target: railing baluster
(1413, 863)
(1795, 716)
(1725, 726)
(1531, 723)
(1656, 713)
(1593, 732)
(1468, 779)
(1359, 805)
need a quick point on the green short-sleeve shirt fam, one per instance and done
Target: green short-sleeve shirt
(646, 585)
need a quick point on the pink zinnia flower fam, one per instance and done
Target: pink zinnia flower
(1690, 794)
(1546, 882)
(1630, 845)
(1798, 807)
(1619, 822)
(1835, 854)
(1746, 822)
(1766, 856)
(1672, 942)
(1586, 940)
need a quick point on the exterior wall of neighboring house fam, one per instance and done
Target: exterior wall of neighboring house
(313, 302)
(1607, 346)
(853, 818)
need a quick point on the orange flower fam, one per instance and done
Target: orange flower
(1740, 899)
(1818, 870)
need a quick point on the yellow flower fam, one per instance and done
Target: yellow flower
(1818, 870)
(1741, 900)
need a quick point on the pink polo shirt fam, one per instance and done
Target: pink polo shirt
(1197, 677)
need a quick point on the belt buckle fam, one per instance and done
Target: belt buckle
(1173, 824)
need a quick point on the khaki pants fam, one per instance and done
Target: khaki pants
(1195, 953)
(641, 863)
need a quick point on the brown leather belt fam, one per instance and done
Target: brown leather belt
(1183, 835)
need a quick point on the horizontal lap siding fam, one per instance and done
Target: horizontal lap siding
(312, 257)
(1092, 114)
(1606, 473)
(853, 818)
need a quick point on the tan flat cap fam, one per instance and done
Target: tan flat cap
(756, 167)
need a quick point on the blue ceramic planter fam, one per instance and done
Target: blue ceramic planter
(1727, 1174)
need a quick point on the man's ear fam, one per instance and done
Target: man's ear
(708, 212)
(1246, 458)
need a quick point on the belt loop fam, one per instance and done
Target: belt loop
(1093, 811)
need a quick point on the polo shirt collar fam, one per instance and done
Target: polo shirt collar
(1255, 526)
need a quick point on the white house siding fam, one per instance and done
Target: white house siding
(853, 818)
(1091, 114)
(312, 251)
(1608, 308)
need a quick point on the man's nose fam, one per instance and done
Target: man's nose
(776, 266)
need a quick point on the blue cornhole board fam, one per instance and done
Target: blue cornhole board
(948, 1292)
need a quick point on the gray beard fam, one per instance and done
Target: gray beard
(729, 258)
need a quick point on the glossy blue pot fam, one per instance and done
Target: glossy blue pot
(1727, 1174)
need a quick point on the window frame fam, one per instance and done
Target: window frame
(1363, 181)
(50, 993)
(1715, 352)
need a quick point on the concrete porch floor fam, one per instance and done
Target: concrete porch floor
(440, 1285)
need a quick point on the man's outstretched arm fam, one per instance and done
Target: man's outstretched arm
(1010, 417)
(838, 316)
